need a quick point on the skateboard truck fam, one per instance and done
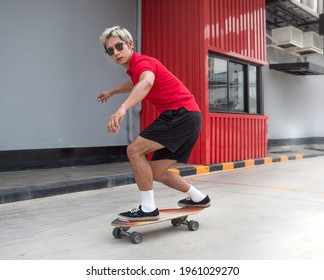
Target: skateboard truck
(192, 225)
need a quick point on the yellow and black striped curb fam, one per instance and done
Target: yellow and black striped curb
(200, 169)
(12, 194)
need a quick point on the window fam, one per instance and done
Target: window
(236, 87)
(217, 85)
(253, 89)
(233, 86)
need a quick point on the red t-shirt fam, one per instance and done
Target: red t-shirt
(167, 92)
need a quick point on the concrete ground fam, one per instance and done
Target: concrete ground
(271, 211)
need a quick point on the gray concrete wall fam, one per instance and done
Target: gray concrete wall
(294, 104)
(52, 67)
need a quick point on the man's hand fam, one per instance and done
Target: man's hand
(104, 96)
(115, 120)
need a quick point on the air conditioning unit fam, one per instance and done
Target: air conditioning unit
(310, 3)
(312, 44)
(287, 37)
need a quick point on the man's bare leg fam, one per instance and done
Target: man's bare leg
(145, 172)
(137, 151)
(162, 175)
(175, 181)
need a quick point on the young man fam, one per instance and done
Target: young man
(171, 136)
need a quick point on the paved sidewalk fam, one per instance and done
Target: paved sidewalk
(30, 184)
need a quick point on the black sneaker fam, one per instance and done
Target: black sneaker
(137, 214)
(187, 202)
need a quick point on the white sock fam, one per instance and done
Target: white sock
(148, 203)
(195, 194)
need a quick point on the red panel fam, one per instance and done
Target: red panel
(237, 28)
(172, 31)
(237, 137)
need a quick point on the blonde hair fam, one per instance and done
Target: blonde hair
(115, 31)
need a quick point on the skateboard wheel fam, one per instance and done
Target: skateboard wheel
(136, 237)
(117, 233)
(193, 225)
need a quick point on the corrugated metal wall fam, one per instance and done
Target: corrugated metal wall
(171, 32)
(180, 33)
(237, 137)
(237, 28)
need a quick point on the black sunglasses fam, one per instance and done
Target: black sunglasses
(119, 47)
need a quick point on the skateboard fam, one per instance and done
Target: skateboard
(178, 216)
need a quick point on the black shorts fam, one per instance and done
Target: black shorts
(177, 131)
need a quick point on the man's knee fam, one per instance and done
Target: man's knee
(136, 148)
(132, 150)
(141, 147)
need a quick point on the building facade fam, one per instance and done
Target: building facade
(223, 51)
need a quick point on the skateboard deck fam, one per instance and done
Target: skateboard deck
(178, 216)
